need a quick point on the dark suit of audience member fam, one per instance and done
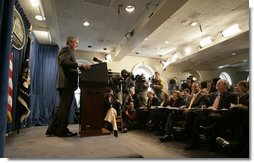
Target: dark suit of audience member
(144, 115)
(232, 128)
(231, 131)
(158, 117)
(218, 101)
(197, 99)
(67, 84)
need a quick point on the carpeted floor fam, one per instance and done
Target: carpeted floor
(32, 143)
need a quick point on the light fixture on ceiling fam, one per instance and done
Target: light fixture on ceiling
(130, 8)
(108, 57)
(164, 64)
(39, 17)
(187, 51)
(86, 23)
(37, 3)
(230, 31)
(205, 41)
(193, 24)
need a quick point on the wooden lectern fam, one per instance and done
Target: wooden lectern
(92, 84)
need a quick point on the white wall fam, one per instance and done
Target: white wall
(129, 62)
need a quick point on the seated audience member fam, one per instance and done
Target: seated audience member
(197, 99)
(157, 116)
(231, 131)
(186, 95)
(243, 87)
(232, 128)
(152, 100)
(144, 115)
(221, 99)
(165, 99)
(130, 116)
(176, 100)
(110, 105)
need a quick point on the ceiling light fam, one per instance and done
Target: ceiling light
(164, 64)
(166, 42)
(40, 18)
(205, 41)
(187, 51)
(176, 56)
(108, 57)
(86, 23)
(130, 8)
(230, 31)
(35, 3)
(193, 24)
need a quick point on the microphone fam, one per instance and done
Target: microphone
(97, 60)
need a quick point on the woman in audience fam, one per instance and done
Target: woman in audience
(111, 105)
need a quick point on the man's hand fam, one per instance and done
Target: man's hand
(85, 66)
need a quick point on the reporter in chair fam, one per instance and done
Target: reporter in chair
(67, 83)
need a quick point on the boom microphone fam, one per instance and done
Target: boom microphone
(97, 60)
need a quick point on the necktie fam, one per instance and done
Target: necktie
(216, 102)
(192, 100)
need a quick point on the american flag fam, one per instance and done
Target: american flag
(10, 87)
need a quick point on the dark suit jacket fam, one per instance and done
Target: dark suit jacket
(225, 99)
(179, 102)
(200, 100)
(67, 69)
(154, 102)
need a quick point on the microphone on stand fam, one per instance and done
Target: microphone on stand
(97, 60)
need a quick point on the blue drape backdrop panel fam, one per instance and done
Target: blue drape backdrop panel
(6, 14)
(18, 60)
(44, 95)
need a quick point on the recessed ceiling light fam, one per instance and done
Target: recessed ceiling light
(193, 24)
(86, 23)
(39, 17)
(166, 42)
(130, 8)
(35, 3)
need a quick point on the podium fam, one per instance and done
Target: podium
(92, 83)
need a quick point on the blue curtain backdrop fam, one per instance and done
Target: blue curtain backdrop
(44, 96)
(18, 60)
(6, 14)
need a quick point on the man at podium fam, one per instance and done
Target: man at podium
(67, 84)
